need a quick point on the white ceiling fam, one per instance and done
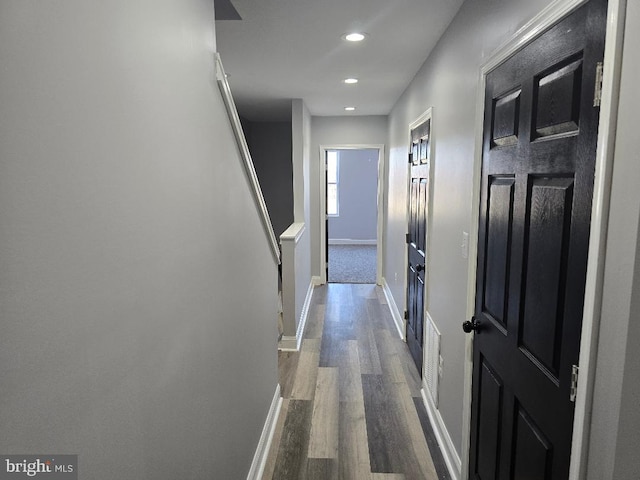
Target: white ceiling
(284, 49)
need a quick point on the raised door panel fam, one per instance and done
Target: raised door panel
(499, 221)
(548, 223)
(506, 119)
(491, 404)
(532, 453)
(557, 94)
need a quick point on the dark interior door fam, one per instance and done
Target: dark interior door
(540, 130)
(416, 239)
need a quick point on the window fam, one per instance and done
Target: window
(332, 183)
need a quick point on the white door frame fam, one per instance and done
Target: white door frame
(323, 206)
(555, 12)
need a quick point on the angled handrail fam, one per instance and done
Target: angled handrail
(249, 169)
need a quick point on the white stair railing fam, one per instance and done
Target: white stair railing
(249, 169)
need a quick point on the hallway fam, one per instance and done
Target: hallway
(352, 407)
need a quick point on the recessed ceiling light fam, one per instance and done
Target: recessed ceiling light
(354, 37)
(350, 80)
(349, 109)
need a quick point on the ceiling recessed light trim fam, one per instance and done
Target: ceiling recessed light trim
(349, 109)
(350, 80)
(354, 36)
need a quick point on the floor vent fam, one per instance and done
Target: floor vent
(432, 358)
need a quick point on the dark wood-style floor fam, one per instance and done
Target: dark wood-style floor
(352, 407)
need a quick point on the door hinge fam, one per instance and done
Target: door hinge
(407, 238)
(597, 95)
(406, 315)
(574, 383)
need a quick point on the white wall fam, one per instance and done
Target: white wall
(332, 131)
(447, 81)
(301, 127)
(127, 237)
(357, 196)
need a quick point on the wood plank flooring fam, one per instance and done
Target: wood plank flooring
(352, 406)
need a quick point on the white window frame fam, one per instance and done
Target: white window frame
(336, 183)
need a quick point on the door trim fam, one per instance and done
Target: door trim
(552, 14)
(323, 204)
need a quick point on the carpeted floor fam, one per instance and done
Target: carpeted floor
(352, 263)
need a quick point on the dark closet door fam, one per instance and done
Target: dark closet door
(540, 130)
(416, 239)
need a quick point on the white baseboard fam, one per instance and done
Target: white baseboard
(292, 344)
(351, 241)
(395, 313)
(316, 280)
(264, 444)
(304, 314)
(451, 457)
(288, 343)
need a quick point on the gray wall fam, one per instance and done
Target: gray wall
(357, 194)
(270, 147)
(129, 245)
(447, 81)
(333, 131)
(615, 429)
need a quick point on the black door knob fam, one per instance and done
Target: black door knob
(471, 326)
(419, 268)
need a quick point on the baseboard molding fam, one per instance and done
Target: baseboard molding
(316, 280)
(304, 314)
(264, 444)
(351, 241)
(287, 343)
(292, 344)
(451, 457)
(395, 313)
